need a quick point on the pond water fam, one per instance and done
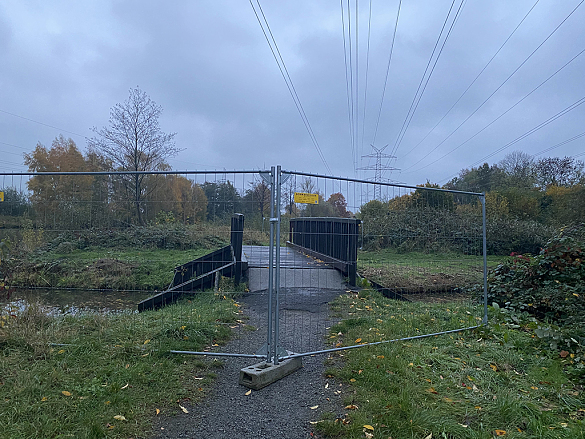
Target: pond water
(65, 301)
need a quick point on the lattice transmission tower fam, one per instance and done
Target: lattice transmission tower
(378, 168)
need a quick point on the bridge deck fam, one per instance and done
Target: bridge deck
(258, 257)
(296, 270)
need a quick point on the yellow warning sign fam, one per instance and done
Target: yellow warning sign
(1, 196)
(302, 197)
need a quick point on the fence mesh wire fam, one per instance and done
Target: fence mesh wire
(96, 245)
(93, 246)
(420, 249)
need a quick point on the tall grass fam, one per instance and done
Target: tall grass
(96, 375)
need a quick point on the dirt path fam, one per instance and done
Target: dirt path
(285, 408)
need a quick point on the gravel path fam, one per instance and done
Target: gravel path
(283, 409)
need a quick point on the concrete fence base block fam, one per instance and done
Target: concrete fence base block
(262, 374)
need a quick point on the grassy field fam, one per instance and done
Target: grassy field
(142, 269)
(485, 383)
(95, 375)
(418, 272)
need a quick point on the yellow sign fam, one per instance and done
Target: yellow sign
(1, 196)
(301, 197)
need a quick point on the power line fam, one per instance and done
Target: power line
(387, 71)
(499, 87)
(474, 80)
(497, 118)
(564, 142)
(541, 125)
(41, 123)
(366, 77)
(348, 79)
(400, 138)
(424, 74)
(287, 79)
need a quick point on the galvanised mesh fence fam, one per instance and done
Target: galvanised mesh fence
(420, 249)
(95, 245)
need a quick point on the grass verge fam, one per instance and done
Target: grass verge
(96, 376)
(489, 382)
(104, 268)
(418, 272)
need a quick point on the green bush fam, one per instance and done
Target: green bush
(166, 236)
(550, 285)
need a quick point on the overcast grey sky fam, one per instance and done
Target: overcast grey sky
(207, 63)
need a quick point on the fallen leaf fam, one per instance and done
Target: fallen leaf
(534, 387)
(429, 436)
(380, 356)
(351, 407)
(352, 380)
(249, 392)
(66, 393)
(119, 418)
(44, 398)
(369, 427)
(500, 432)
(495, 369)
(61, 351)
(314, 407)
(146, 341)
(157, 411)
(563, 354)
(183, 408)
(448, 400)
(432, 390)
(357, 340)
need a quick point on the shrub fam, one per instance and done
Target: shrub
(550, 285)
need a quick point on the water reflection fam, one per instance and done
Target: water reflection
(66, 301)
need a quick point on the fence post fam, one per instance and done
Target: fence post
(277, 182)
(269, 347)
(237, 237)
(484, 232)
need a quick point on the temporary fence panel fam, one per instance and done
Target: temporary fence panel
(95, 243)
(422, 248)
(134, 235)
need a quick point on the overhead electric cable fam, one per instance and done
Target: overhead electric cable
(288, 80)
(366, 78)
(541, 125)
(347, 81)
(500, 86)
(533, 130)
(387, 71)
(357, 84)
(41, 123)
(400, 138)
(496, 119)
(564, 142)
(425, 73)
(474, 80)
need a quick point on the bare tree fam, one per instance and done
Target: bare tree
(519, 167)
(134, 142)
